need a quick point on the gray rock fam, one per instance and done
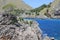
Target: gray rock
(8, 25)
(12, 30)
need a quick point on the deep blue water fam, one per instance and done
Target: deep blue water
(50, 27)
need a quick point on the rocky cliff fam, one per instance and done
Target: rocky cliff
(55, 4)
(55, 9)
(15, 31)
(10, 29)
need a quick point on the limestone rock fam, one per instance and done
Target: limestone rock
(10, 30)
(55, 9)
(55, 4)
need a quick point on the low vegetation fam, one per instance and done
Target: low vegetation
(10, 8)
(41, 8)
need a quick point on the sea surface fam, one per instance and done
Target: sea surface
(51, 27)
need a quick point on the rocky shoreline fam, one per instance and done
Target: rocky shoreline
(12, 29)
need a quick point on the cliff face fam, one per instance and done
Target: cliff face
(18, 3)
(12, 30)
(56, 4)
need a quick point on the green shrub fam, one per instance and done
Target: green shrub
(8, 7)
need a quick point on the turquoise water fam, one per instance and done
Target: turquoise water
(50, 27)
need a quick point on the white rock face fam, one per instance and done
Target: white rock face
(24, 32)
(55, 9)
(10, 30)
(30, 33)
(56, 4)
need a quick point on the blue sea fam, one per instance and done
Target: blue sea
(51, 27)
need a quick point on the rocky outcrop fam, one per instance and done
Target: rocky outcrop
(10, 29)
(55, 4)
(55, 9)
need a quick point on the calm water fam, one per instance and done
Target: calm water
(50, 27)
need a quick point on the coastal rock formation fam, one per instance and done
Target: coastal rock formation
(55, 9)
(12, 30)
(55, 4)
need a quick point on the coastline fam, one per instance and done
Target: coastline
(51, 24)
